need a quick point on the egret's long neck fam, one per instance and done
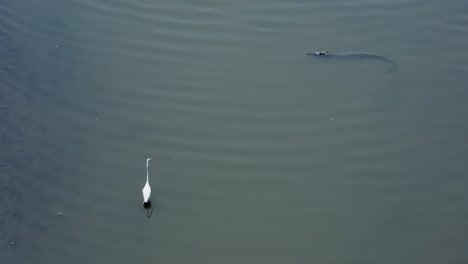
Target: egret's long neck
(147, 170)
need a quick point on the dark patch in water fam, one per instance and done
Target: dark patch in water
(11, 136)
(18, 160)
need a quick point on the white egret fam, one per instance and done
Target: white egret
(147, 189)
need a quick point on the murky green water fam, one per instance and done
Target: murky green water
(260, 153)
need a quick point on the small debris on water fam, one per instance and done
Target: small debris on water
(12, 243)
(59, 214)
(56, 46)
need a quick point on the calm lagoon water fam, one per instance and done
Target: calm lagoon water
(260, 153)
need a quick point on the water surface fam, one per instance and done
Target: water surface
(260, 153)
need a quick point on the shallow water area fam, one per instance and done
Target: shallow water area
(261, 154)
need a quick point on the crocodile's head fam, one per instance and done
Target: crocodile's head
(318, 53)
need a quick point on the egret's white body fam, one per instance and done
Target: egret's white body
(147, 189)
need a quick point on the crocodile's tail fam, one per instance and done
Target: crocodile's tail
(393, 67)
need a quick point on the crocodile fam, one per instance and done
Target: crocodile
(355, 55)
